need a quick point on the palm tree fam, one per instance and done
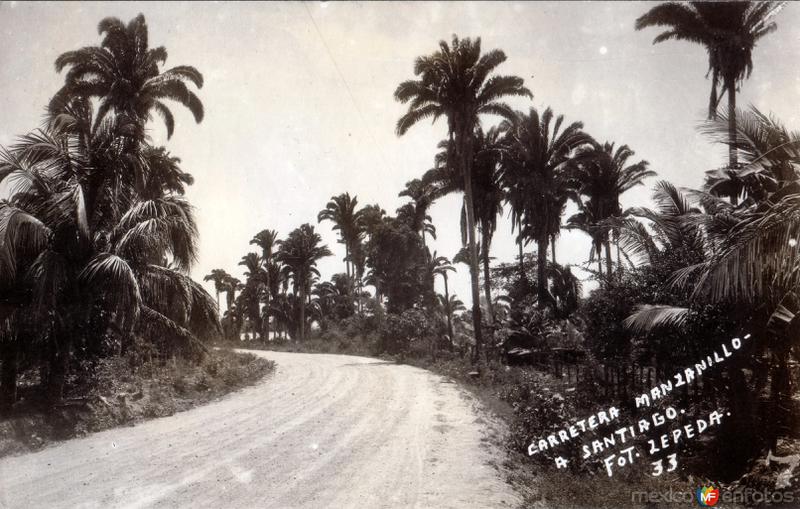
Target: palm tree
(767, 150)
(341, 211)
(534, 172)
(585, 221)
(489, 197)
(219, 277)
(450, 304)
(416, 217)
(123, 72)
(454, 82)
(164, 175)
(603, 175)
(443, 179)
(422, 195)
(670, 230)
(254, 285)
(729, 32)
(94, 277)
(299, 253)
(266, 240)
(441, 267)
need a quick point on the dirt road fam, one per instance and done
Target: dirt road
(324, 431)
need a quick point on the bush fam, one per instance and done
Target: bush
(414, 327)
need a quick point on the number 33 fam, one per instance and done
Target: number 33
(658, 466)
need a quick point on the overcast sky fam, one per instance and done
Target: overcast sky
(299, 105)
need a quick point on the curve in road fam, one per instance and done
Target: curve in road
(324, 431)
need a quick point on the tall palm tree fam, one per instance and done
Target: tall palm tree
(219, 277)
(299, 253)
(488, 193)
(123, 73)
(729, 32)
(534, 172)
(603, 175)
(267, 241)
(254, 286)
(489, 197)
(342, 211)
(454, 82)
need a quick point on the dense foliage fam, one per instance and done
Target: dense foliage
(96, 239)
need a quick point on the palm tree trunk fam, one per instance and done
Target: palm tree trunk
(521, 260)
(302, 301)
(608, 256)
(487, 277)
(449, 312)
(218, 308)
(464, 144)
(347, 259)
(553, 247)
(541, 273)
(730, 83)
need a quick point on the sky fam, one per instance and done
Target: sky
(299, 100)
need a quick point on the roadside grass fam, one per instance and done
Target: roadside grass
(124, 392)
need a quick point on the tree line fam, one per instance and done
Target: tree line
(702, 263)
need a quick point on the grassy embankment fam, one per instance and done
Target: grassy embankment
(118, 391)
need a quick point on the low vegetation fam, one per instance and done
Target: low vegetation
(123, 390)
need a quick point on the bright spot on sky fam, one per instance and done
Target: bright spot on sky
(603, 50)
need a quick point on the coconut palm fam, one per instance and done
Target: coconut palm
(220, 278)
(603, 175)
(767, 150)
(299, 253)
(53, 263)
(95, 238)
(123, 73)
(342, 212)
(534, 172)
(729, 32)
(454, 83)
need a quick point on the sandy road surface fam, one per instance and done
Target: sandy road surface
(324, 431)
